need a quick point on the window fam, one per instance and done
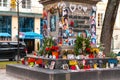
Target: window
(0, 2)
(3, 3)
(26, 4)
(5, 24)
(26, 24)
(5, 27)
(100, 19)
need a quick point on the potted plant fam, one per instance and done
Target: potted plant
(53, 50)
(81, 45)
(47, 42)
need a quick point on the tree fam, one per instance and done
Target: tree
(108, 24)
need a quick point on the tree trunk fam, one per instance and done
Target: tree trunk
(108, 24)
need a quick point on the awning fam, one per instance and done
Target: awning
(30, 35)
(5, 35)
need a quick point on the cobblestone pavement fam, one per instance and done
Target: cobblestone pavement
(4, 76)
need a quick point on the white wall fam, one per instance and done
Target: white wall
(101, 6)
(36, 7)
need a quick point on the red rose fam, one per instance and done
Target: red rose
(87, 67)
(31, 60)
(88, 49)
(71, 23)
(47, 49)
(56, 48)
(53, 48)
(39, 61)
(73, 67)
(23, 61)
(91, 55)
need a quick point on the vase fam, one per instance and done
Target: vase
(55, 55)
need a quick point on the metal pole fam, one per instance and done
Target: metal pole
(18, 52)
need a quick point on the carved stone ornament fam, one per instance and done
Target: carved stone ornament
(94, 8)
(63, 5)
(72, 7)
(84, 9)
(79, 7)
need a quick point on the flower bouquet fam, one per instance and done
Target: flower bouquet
(39, 62)
(31, 62)
(53, 51)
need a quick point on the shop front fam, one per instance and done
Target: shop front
(5, 28)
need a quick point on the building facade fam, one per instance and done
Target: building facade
(101, 7)
(29, 20)
(30, 12)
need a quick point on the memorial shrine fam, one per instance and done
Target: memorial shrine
(69, 50)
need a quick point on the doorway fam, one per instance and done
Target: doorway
(30, 45)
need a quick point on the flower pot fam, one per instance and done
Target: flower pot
(55, 55)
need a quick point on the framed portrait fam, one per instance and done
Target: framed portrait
(52, 65)
(60, 32)
(71, 41)
(65, 36)
(45, 33)
(65, 66)
(52, 23)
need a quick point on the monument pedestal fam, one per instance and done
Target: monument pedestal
(36, 73)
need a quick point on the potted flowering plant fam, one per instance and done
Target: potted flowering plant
(93, 52)
(47, 43)
(39, 62)
(31, 62)
(53, 50)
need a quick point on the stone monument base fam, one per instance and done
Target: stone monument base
(36, 73)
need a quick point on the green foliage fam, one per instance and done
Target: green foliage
(47, 42)
(111, 54)
(81, 44)
(101, 47)
(4, 63)
(78, 45)
(87, 43)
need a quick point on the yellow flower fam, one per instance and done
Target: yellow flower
(72, 62)
(95, 50)
(92, 49)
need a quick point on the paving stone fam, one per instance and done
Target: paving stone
(4, 76)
